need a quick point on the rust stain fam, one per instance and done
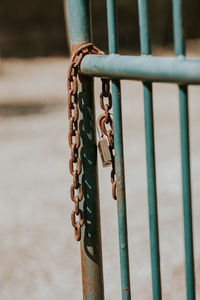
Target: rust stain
(74, 47)
(120, 179)
(126, 290)
(92, 287)
(83, 267)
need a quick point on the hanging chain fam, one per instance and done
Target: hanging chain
(75, 164)
(105, 123)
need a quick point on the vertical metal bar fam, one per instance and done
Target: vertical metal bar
(91, 252)
(185, 151)
(152, 194)
(112, 27)
(144, 27)
(119, 158)
(150, 156)
(178, 28)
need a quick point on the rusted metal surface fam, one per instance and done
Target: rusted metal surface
(75, 164)
(105, 123)
(91, 257)
(90, 243)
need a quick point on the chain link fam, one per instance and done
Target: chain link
(105, 123)
(75, 164)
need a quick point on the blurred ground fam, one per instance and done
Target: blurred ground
(39, 257)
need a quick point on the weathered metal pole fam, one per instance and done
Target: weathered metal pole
(150, 156)
(119, 158)
(185, 154)
(91, 250)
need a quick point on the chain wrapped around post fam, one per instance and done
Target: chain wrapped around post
(105, 124)
(75, 164)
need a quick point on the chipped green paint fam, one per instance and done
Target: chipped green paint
(91, 250)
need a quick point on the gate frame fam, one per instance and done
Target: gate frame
(146, 69)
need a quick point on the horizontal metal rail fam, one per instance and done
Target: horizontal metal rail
(144, 68)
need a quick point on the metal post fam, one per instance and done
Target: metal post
(150, 157)
(185, 151)
(91, 250)
(119, 158)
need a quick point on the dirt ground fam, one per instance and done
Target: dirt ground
(40, 259)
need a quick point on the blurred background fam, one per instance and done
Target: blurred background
(37, 28)
(39, 256)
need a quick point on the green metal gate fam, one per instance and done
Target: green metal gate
(147, 69)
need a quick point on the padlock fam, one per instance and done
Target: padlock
(104, 152)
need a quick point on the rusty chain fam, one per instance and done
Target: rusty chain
(105, 123)
(75, 164)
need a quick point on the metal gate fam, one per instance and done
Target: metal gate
(147, 69)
